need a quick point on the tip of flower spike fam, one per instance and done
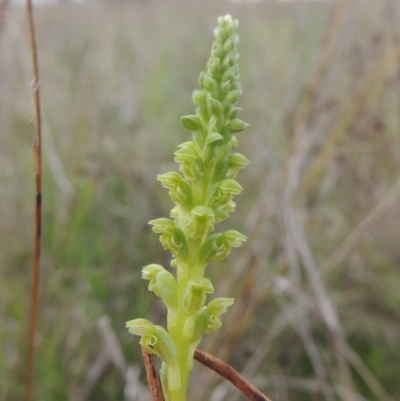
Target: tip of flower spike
(225, 18)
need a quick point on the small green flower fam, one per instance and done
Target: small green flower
(202, 222)
(162, 283)
(155, 339)
(195, 294)
(209, 319)
(230, 186)
(218, 246)
(163, 226)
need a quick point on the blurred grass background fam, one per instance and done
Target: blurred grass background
(317, 315)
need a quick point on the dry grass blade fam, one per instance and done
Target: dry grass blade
(230, 374)
(301, 322)
(366, 374)
(111, 353)
(387, 201)
(326, 306)
(38, 208)
(373, 81)
(112, 344)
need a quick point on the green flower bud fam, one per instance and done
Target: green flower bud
(192, 123)
(214, 124)
(201, 78)
(176, 243)
(202, 111)
(236, 85)
(230, 27)
(182, 195)
(198, 97)
(214, 66)
(230, 60)
(232, 97)
(149, 272)
(221, 169)
(228, 46)
(219, 37)
(195, 294)
(187, 155)
(225, 87)
(216, 308)
(229, 75)
(163, 225)
(203, 211)
(170, 180)
(234, 142)
(141, 327)
(233, 238)
(236, 162)
(162, 283)
(219, 306)
(175, 212)
(209, 320)
(223, 213)
(213, 138)
(232, 113)
(218, 246)
(209, 83)
(186, 152)
(201, 223)
(237, 125)
(214, 106)
(230, 186)
(226, 63)
(207, 250)
(185, 189)
(155, 339)
(217, 50)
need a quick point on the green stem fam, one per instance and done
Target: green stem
(176, 329)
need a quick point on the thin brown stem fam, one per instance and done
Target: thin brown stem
(152, 377)
(227, 372)
(37, 149)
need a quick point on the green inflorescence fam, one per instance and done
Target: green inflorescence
(202, 192)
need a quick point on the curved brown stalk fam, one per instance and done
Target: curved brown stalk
(37, 149)
(227, 372)
(152, 377)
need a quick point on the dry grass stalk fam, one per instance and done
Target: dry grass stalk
(351, 241)
(374, 80)
(314, 82)
(37, 147)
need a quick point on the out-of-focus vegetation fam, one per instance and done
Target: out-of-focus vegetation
(317, 315)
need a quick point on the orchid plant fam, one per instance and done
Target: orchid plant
(202, 192)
